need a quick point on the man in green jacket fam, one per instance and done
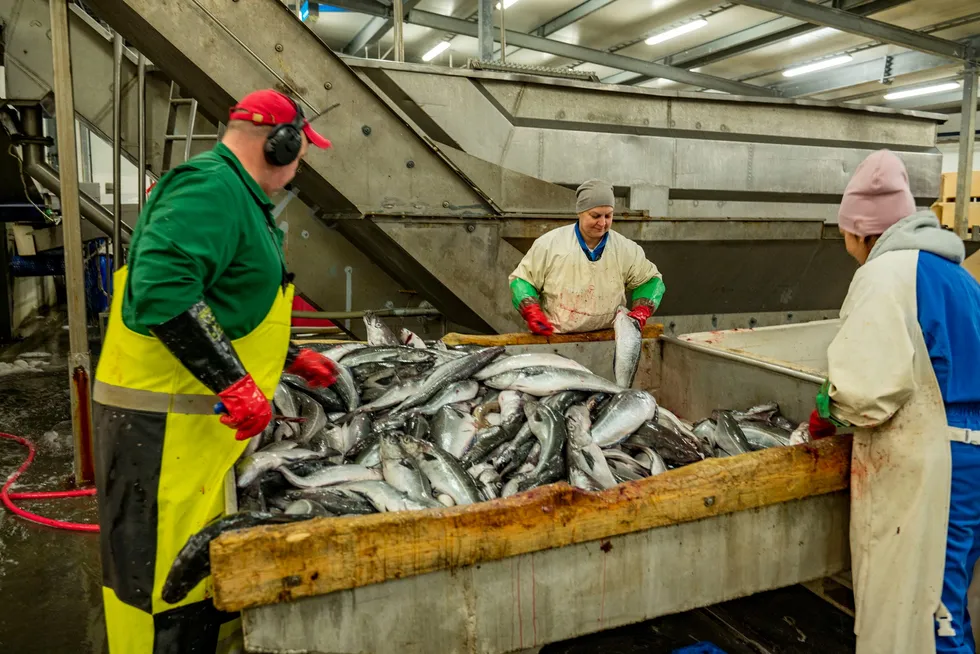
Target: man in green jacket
(199, 324)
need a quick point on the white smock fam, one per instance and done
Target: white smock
(578, 295)
(882, 381)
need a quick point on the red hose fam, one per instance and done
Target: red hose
(7, 496)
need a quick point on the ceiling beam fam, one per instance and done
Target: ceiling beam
(752, 38)
(573, 15)
(579, 53)
(559, 49)
(843, 77)
(866, 27)
(375, 30)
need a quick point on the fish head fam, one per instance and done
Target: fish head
(504, 379)
(390, 447)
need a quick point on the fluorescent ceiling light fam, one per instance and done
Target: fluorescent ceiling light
(507, 4)
(677, 31)
(441, 47)
(815, 34)
(925, 90)
(817, 65)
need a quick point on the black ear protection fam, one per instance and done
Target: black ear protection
(284, 142)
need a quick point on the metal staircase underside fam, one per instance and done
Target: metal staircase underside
(444, 177)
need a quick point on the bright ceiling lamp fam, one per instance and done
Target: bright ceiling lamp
(817, 65)
(441, 47)
(925, 90)
(814, 35)
(507, 4)
(677, 31)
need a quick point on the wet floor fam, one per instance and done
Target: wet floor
(50, 580)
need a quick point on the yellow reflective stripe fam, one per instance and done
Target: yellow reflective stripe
(140, 400)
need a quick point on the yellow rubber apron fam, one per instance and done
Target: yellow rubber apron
(161, 460)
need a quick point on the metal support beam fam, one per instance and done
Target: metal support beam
(752, 38)
(579, 53)
(573, 15)
(399, 24)
(964, 171)
(867, 27)
(484, 33)
(117, 55)
(141, 130)
(375, 30)
(866, 71)
(79, 362)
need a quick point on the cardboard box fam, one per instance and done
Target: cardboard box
(946, 210)
(947, 191)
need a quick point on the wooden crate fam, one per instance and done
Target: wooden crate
(947, 191)
(945, 211)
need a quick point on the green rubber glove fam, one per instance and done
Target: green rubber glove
(823, 405)
(521, 290)
(651, 290)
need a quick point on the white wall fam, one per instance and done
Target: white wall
(102, 172)
(951, 156)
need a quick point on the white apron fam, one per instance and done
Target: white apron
(578, 295)
(883, 383)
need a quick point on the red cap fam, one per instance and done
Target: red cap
(269, 107)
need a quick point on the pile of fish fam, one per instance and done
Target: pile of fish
(409, 426)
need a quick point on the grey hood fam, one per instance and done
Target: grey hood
(920, 231)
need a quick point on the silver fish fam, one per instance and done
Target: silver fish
(549, 381)
(370, 456)
(453, 430)
(411, 339)
(800, 435)
(399, 354)
(548, 426)
(393, 396)
(445, 473)
(332, 476)
(315, 417)
(377, 331)
(450, 372)
(487, 440)
(307, 507)
(587, 466)
(346, 388)
(649, 459)
(251, 468)
(761, 436)
(402, 472)
(629, 341)
(728, 435)
(622, 416)
(530, 360)
(285, 401)
(338, 352)
(511, 403)
(677, 448)
(386, 498)
(460, 391)
(335, 499)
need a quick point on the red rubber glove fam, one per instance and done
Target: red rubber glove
(820, 427)
(245, 408)
(536, 321)
(315, 368)
(641, 313)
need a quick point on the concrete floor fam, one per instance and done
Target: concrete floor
(50, 580)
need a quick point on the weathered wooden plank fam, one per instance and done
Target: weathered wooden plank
(522, 602)
(652, 330)
(276, 564)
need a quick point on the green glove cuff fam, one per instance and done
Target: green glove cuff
(521, 290)
(652, 291)
(823, 405)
